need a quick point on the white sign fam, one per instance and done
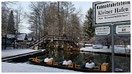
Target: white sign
(123, 29)
(105, 30)
(112, 12)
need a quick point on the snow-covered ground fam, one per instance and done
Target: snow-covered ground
(118, 49)
(24, 67)
(12, 52)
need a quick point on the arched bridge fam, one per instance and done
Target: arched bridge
(45, 38)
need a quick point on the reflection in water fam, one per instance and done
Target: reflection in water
(82, 57)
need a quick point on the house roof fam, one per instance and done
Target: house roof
(10, 36)
(21, 36)
(29, 38)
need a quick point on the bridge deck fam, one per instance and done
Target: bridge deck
(53, 38)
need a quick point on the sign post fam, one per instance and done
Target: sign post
(108, 12)
(112, 37)
(117, 13)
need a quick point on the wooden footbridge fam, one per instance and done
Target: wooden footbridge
(47, 38)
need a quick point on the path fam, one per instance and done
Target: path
(12, 52)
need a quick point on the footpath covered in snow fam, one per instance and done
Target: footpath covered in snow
(12, 52)
(118, 49)
(24, 67)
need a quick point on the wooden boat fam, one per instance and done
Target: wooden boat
(74, 66)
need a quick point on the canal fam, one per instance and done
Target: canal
(121, 62)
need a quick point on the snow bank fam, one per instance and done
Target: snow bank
(118, 49)
(24, 67)
(12, 52)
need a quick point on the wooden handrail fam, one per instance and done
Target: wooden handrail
(54, 37)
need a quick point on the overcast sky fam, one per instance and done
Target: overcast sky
(81, 6)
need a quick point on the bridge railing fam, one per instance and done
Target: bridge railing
(37, 41)
(54, 37)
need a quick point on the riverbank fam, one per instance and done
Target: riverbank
(117, 50)
(13, 52)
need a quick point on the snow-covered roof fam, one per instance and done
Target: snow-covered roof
(21, 36)
(29, 38)
(10, 36)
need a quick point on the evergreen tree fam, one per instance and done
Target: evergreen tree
(11, 24)
(4, 15)
(88, 25)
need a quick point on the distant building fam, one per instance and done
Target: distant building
(10, 36)
(8, 40)
(30, 39)
(21, 37)
(16, 40)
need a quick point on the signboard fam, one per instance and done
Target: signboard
(105, 30)
(123, 29)
(107, 12)
(111, 13)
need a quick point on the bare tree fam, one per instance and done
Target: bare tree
(54, 18)
(18, 18)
